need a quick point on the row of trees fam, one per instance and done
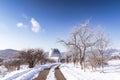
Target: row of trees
(31, 57)
(83, 39)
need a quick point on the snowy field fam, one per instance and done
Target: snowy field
(111, 72)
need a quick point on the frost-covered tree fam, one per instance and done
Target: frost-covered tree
(81, 38)
(32, 56)
(102, 45)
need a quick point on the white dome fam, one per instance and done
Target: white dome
(54, 53)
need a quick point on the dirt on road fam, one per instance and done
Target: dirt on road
(43, 74)
(59, 75)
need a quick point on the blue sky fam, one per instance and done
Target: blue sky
(40, 23)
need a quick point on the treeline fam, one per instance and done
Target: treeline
(30, 57)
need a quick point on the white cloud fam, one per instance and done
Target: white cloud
(35, 25)
(20, 25)
(30, 22)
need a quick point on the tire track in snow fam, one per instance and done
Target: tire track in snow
(51, 74)
(30, 75)
(15, 75)
(42, 74)
(59, 74)
(26, 74)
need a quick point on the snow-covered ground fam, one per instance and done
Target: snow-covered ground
(25, 74)
(111, 72)
(51, 75)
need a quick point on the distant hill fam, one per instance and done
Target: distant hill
(113, 52)
(8, 53)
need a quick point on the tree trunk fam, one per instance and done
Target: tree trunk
(81, 63)
(102, 63)
(31, 64)
(18, 67)
(84, 57)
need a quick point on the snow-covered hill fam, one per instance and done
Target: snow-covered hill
(113, 52)
(8, 53)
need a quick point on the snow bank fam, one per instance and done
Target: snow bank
(27, 74)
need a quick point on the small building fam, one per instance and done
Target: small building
(54, 54)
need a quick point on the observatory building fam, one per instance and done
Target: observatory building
(54, 54)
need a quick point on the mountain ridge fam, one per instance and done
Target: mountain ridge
(8, 53)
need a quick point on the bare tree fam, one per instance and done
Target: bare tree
(32, 56)
(1, 60)
(102, 45)
(17, 63)
(75, 59)
(94, 59)
(68, 58)
(81, 39)
(9, 66)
